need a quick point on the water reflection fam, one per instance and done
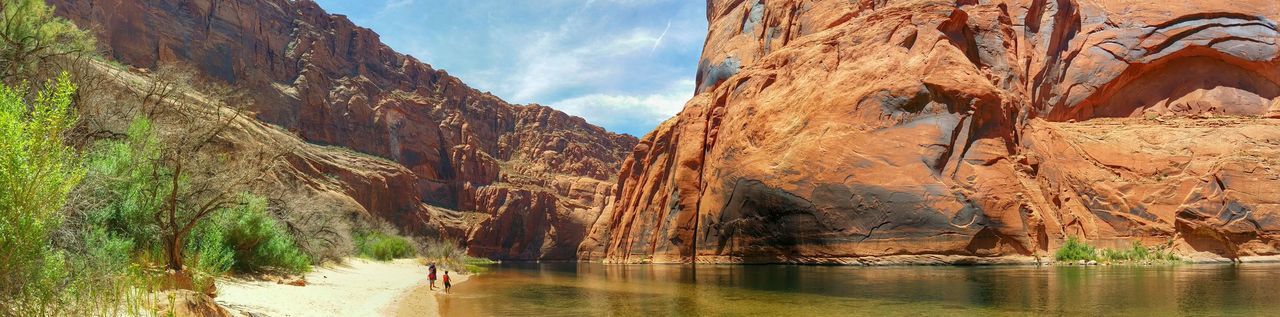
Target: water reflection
(560, 289)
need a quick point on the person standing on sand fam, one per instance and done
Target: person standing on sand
(431, 274)
(446, 282)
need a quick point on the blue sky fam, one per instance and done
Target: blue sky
(626, 65)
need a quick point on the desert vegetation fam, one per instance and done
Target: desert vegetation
(383, 246)
(1077, 250)
(103, 202)
(119, 183)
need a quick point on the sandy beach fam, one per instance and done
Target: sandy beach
(357, 287)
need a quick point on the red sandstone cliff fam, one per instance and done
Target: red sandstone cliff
(928, 130)
(515, 182)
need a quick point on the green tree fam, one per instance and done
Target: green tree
(186, 168)
(32, 39)
(37, 170)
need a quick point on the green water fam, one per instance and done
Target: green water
(575, 289)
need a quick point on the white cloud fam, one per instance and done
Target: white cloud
(550, 65)
(610, 61)
(396, 4)
(630, 112)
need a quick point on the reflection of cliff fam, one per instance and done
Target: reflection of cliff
(834, 131)
(331, 82)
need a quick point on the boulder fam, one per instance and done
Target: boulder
(185, 303)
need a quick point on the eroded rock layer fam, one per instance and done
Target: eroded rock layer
(854, 131)
(475, 163)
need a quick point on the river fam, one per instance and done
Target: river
(576, 289)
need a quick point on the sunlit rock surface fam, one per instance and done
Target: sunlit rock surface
(850, 131)
(514, 181)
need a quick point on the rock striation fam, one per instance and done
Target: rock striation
(514, 181)
(833, 131)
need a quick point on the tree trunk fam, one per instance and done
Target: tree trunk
(173, 251)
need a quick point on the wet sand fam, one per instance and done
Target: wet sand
(422, 300)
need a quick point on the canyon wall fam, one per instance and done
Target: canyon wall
(512, 181)
(878, 131)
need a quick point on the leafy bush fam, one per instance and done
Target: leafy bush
(37, 171)
(114, 196)
(1139, 253)
(209, 251)
(55, 263)
(246, 239)
(260, 241)
(1075, 250)
(383, 247)
(33, 40)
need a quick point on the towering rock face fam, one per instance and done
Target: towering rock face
(518, 182)
(918, 130)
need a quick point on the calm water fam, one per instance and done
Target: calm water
(573, 289)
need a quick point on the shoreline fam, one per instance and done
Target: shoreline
(356, 287)
(421, 300)
(914, 260)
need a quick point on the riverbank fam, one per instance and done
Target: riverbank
(922, 260)
(357, 287)
(422, 300)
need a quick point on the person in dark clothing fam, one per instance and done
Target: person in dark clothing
(431, 274)
(446, 282)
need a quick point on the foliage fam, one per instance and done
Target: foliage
(1076, 250)
(37, 171)
(33, 38)
(1139, 253)
(383, 247)
(199, 179)
(119, 191)
(250, 239)
(210, 251)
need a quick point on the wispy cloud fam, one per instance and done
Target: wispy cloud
(613, 62)
(396, 4)
(627, 112)
(663, 35)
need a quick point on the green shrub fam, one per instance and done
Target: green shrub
(1075, 250)
(383, 247)
(209, 252)
(246, 239)
(1139, 253)
(37, 171)
(117, 185)
(259, 241)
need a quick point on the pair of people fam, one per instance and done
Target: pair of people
(431, 275)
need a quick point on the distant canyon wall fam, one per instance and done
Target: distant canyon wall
(512, 181)
(834, 131)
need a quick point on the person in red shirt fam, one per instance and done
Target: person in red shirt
(446, 282)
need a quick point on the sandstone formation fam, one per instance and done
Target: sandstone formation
(184, 303)
(431, 154)
(854, 131)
